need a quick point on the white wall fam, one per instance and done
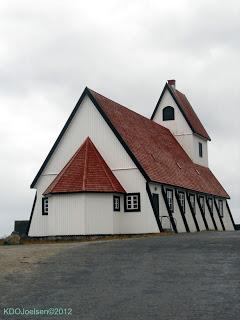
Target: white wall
(89, 122)
(208, 217)
(182, 131)
(66, 214)
(156, 188)
(226, 218)
(216, 218)
(189, 217)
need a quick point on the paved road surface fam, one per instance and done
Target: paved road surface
(185, 276)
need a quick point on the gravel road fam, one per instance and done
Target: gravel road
(185, 276)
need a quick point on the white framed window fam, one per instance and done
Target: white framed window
(45, 206)
(202, 203)
(132, 202)
(170, 199)
(220, 206)
(192, 201)
(116, 203)
(181, 195)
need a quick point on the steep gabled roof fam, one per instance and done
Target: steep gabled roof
(186, 109)
(86, 171)
(152, 147)
(156, 151)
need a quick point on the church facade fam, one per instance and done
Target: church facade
(113, 171)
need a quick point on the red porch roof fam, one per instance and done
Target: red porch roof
(85, 172)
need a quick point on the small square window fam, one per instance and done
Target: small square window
(116, 203)
(200, 147)
(45, 206)
(132, 202)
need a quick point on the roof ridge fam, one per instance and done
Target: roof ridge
(59, 176)
(85, 164)
(100, 161)
(122, 106)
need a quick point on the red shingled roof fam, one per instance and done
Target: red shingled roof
(85, 172)
(189, 113)
(157, 151)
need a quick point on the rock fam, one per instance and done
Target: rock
(14, 238)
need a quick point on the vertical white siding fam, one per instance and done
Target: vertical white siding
(182, 131)
(39, 223)
(217, 220)
(208, 218)
(136, 222)
(99, 213)
(89, 122)
(156, 188)
(226, 217)
(66, 214)
(199, 216)
(189, 217)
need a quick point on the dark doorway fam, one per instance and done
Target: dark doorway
(156, 202)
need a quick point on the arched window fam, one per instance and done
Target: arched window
(168, 113)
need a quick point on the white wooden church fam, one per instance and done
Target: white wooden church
(113, 171)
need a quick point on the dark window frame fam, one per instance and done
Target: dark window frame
(200, 149)
(194, 203)
(138, 209)
(114, 203)
(172, 197)
(44, 211)
(184, 202)
(168, 113)
(220, 208)
(202, 206)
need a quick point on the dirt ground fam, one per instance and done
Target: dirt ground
(24, 258)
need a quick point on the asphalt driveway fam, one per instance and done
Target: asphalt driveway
(185, 276)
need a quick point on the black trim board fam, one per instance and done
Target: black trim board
(153, 207)
(59, 138)
(169, 210)
(202, 211)
(219, 215)
(88, 92)
(211, 213)
(181, 210)
(31, 215)
(230, 214)
(167, 86)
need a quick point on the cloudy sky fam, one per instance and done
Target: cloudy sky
(125, 49)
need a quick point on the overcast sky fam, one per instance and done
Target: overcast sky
(126, 50)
